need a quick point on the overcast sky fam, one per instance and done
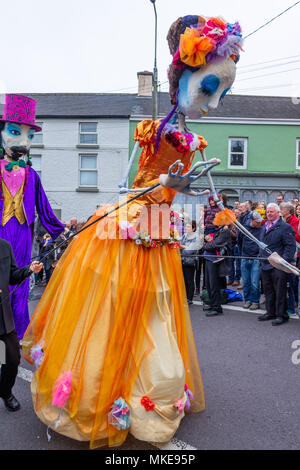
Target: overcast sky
(99, 46)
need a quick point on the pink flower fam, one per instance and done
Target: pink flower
(153, 244)
(62, 389)
(124, 234)
(131, 232)
(215, 29)
(179, 405)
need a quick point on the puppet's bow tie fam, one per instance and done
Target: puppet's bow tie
(11, 165)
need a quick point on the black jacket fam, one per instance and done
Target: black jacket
(281, 238)
(222, 244)
(9, 275)
(245, 221)
(249, 247)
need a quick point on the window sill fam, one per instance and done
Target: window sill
(87, 146)
(237, 168)
(37, 146)
(87, 189)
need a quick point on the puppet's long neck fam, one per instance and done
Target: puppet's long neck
(181, 122)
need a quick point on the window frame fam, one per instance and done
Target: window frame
(39, 144)
(238, 167)
(89, 133)
(41, 170)
(298, 153)
(94, 154)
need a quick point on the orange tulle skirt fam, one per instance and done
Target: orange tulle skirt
(115, 314)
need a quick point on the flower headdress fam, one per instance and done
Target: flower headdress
(195, 41)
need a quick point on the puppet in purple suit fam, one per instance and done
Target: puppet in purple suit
(21, 192)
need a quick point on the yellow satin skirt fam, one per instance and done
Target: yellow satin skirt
(115, 314)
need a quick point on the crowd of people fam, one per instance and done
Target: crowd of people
(43, 247)
(276, 224)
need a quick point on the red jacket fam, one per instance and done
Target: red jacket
(294, 222)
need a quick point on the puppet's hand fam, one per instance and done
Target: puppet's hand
(279, 263)
(181, 183)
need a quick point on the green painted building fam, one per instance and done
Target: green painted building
(258, 140)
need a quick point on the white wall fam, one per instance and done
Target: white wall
(60, 164)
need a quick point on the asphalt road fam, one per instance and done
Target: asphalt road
(251, 386)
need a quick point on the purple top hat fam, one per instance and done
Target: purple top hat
(21, 110)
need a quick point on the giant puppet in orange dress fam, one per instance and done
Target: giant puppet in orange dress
(112, 337)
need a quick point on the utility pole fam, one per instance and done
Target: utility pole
(155, 73)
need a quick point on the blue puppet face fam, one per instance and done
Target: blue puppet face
(16, 139)
(202, 90)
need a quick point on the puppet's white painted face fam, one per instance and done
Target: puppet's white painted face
(202, 90)
(16, 139)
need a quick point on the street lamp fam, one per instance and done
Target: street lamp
(155, 74)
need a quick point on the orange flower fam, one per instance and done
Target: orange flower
(194, 48)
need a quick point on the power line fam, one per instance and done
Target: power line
(267, 74)
(280, 85)
(269, 67)
(269, 61)
(270, 21)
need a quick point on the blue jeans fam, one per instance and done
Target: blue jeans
(235, 265)
(251, 276)
(292, 295)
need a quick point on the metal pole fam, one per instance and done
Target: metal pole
(155, 72)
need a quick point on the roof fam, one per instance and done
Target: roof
(111, 105)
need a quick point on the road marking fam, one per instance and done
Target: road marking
(173, 444)
(241, 309)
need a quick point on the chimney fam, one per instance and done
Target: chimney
(145, 83)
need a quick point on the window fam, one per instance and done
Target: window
(88, 133)
(38, 136)
(88, 171)
(237, 152)
(247, 195)
(298, 155)
(37, 164)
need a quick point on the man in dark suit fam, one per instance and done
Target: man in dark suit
(279, 237)
(10, 275)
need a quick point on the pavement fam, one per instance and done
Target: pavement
(251, 386)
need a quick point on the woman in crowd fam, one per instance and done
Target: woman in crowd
(190, 245)
(261, 209)
(209, 215)
(297, 211)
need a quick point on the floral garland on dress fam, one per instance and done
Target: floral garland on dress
(144, 239)
(183, 142)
